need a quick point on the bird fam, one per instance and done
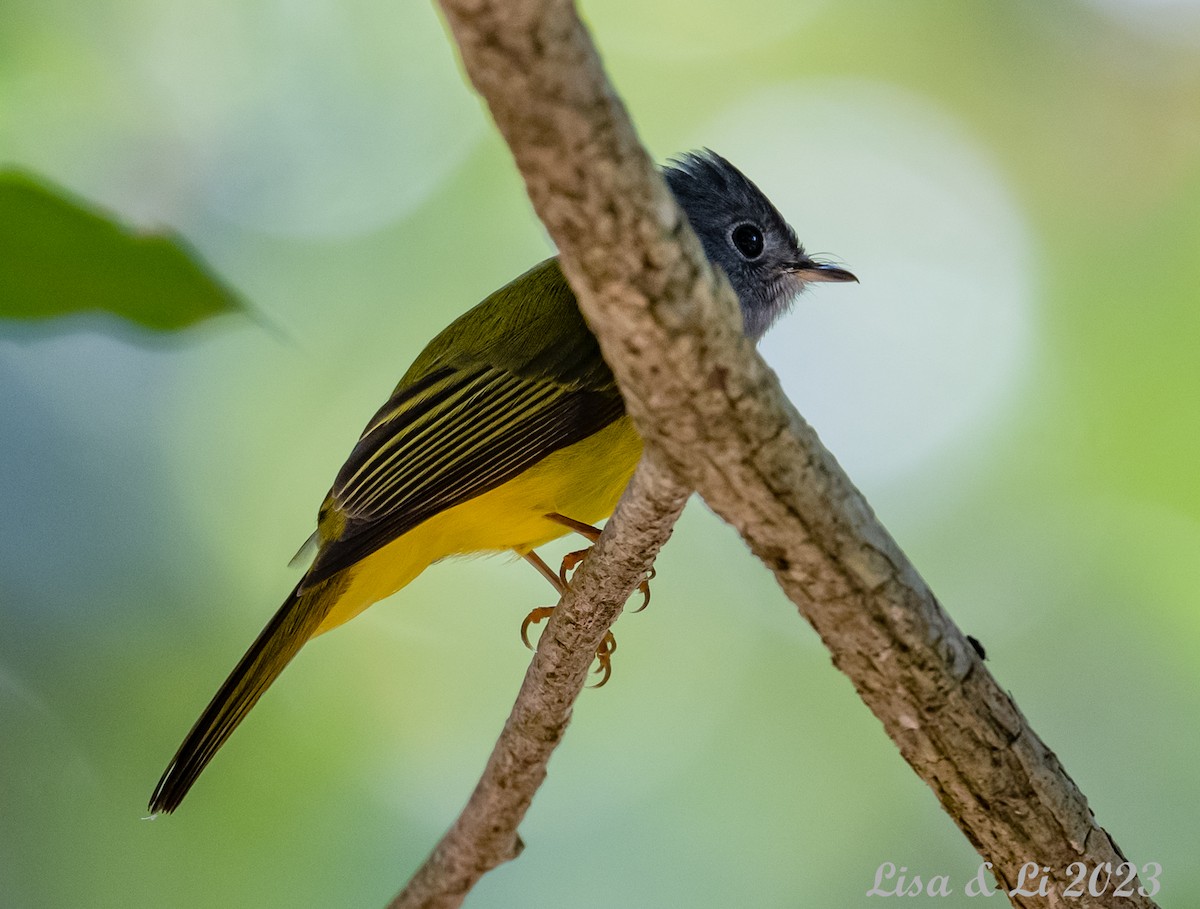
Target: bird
(507, 431)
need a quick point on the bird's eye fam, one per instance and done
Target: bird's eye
(748, 240)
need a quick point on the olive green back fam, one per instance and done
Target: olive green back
(506, 384)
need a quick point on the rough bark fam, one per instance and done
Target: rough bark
(714, 414)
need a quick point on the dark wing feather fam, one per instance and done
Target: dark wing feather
(510, 382)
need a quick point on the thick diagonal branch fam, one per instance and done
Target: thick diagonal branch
(702, 397)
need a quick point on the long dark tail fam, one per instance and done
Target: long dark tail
(274, 648)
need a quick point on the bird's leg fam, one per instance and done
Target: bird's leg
(608, 644)
(572, 559)
(559, 585)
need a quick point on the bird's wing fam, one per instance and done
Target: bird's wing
(514, 379)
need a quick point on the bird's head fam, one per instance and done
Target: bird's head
(744, 234)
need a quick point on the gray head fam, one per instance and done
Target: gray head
(744, 234)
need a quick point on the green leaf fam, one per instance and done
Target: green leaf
(58, 256)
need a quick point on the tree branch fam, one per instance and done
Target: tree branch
(709, 407)
(485, 833)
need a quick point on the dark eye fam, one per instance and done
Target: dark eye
(748, 239)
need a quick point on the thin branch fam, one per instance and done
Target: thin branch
(485, 833)
(707, 404)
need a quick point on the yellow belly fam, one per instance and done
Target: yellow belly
(582, 481)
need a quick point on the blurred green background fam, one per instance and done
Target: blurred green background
(1015, 386)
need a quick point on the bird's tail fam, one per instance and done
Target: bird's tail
(292, 625)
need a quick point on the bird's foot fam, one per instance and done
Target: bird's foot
(535, 616)
(573, 560)
(608, 644)
(570, 562)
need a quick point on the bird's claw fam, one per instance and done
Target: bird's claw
(535, 616)
(608, 644)
(572, 560)
(644, 589)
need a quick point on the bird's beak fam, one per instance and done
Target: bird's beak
(808, 270)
